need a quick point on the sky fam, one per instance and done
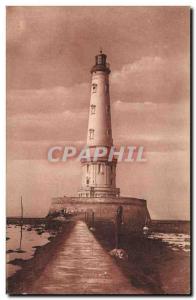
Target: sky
(50, 51)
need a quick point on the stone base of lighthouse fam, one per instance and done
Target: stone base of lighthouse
(100, 191)
(99, 179)
(135, 211)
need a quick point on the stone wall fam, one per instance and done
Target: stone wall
(135, 210)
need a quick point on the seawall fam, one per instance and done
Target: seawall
(135, 211)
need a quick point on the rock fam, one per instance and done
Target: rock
(145, 230)
(10, 251)
(119, 253)
(92, 229)
(20, 251)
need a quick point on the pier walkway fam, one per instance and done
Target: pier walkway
(82, 266)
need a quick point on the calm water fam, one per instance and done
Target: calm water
(22, 247)
(175, 241)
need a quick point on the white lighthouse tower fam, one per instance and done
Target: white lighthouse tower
(99, 177)
(98, 198)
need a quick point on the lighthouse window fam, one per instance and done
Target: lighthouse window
(107, 88)
(87, 168)
(99, 60)
(94, 87)
(91, 133)
(102, 169)
(99, 168)
(87, 181)
(93, 109)
(108, 131)
(108, 109)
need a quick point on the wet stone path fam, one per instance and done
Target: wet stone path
(82, 266)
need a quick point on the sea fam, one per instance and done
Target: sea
(175, 241)
(21, 244)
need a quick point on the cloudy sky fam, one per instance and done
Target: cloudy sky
(50, 51)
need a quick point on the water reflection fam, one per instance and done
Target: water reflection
(19, 250)
(21, 243)
(176, 241)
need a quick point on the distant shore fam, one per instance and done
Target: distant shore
(177, 226)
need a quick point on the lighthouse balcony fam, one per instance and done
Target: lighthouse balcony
(103, 68)
(98, 192)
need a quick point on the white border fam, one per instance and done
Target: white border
(97, 3)
(3, 5)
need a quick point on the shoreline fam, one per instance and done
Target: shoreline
(151, 265)
(162, 225)
(32, 268)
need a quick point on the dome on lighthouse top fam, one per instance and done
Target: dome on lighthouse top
(100, 63)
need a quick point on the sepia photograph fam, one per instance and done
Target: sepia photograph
(98, 122)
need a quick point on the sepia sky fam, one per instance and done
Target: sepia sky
(50, 51)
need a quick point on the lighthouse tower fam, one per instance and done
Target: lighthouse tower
(98, 197)
(99, 177)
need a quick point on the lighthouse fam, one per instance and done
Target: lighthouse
(99, 177)
(98, 198)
